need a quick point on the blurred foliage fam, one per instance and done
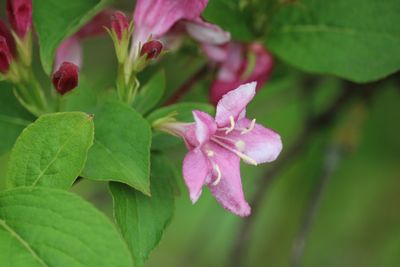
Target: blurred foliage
(358, 220)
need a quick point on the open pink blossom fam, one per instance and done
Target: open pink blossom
(235, 68)
(155, 18)
(216, 146)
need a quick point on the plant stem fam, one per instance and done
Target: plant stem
(187, 85)
(332, 158)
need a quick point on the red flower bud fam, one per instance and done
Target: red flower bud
(152, 49)
(19, 14)
(119, 23)
(66, 77)
(5, 32)
(5, 55)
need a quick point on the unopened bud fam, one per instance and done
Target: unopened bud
(19, 14)
(66, 77)
(119, 24)
(152, 49)
(5, 56)
(5, 32)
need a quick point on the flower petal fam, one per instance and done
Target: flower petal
(234, 102)
(70, 50)
(228, 191)
(215, 53)
(258, 143)
(195, 171)
(205, 32)
(205, 126)
(156, 17)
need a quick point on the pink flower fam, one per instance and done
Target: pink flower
(19, 14)
(5, 56)
(217, 145)
(119, 24)
(155, 18)
(235, 68)
(66, 77)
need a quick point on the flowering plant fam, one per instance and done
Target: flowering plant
(160, 101)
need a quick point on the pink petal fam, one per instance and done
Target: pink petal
(70, 50)
(233, 103)
(215, 53)
(205, 126)
(229, 191)
(261, 144)
(233, 70)
(205, 32)
(156, 17)
(195, 171)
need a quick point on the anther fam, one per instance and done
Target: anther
(247, 130)
(232, 121)
(219, 175)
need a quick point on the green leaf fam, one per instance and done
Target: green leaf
(55, 21)
(44, 227)
(339, 37)
(227, 14)
(151, 94)
(121, 150)
(13, 118)
(182, 110)
(51, 151)
(142, 219)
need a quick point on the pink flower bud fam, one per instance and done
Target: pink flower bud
(119, 23)
(66, 77)
(5, 32)
(19, 14)
(152, 49)
(5, 56)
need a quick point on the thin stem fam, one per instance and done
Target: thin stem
(187, 85)
(333, 156)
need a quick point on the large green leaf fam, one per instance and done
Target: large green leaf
(151, 93)
(55, 20)
(13, 118)
(44, 227)
(355, 39)
(142, 219)
(227, 14)
(121, 150)
(51, 151)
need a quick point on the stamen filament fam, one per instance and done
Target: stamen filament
(247, 130)
(232, 121)
(240, 154)
(219, 175)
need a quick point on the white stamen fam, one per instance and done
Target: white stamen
(238, 153)
(240, 145)
(232, 121)
(210, 153)
(247, 130)
(219, 175)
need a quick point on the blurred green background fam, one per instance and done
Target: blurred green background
(358, 220)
